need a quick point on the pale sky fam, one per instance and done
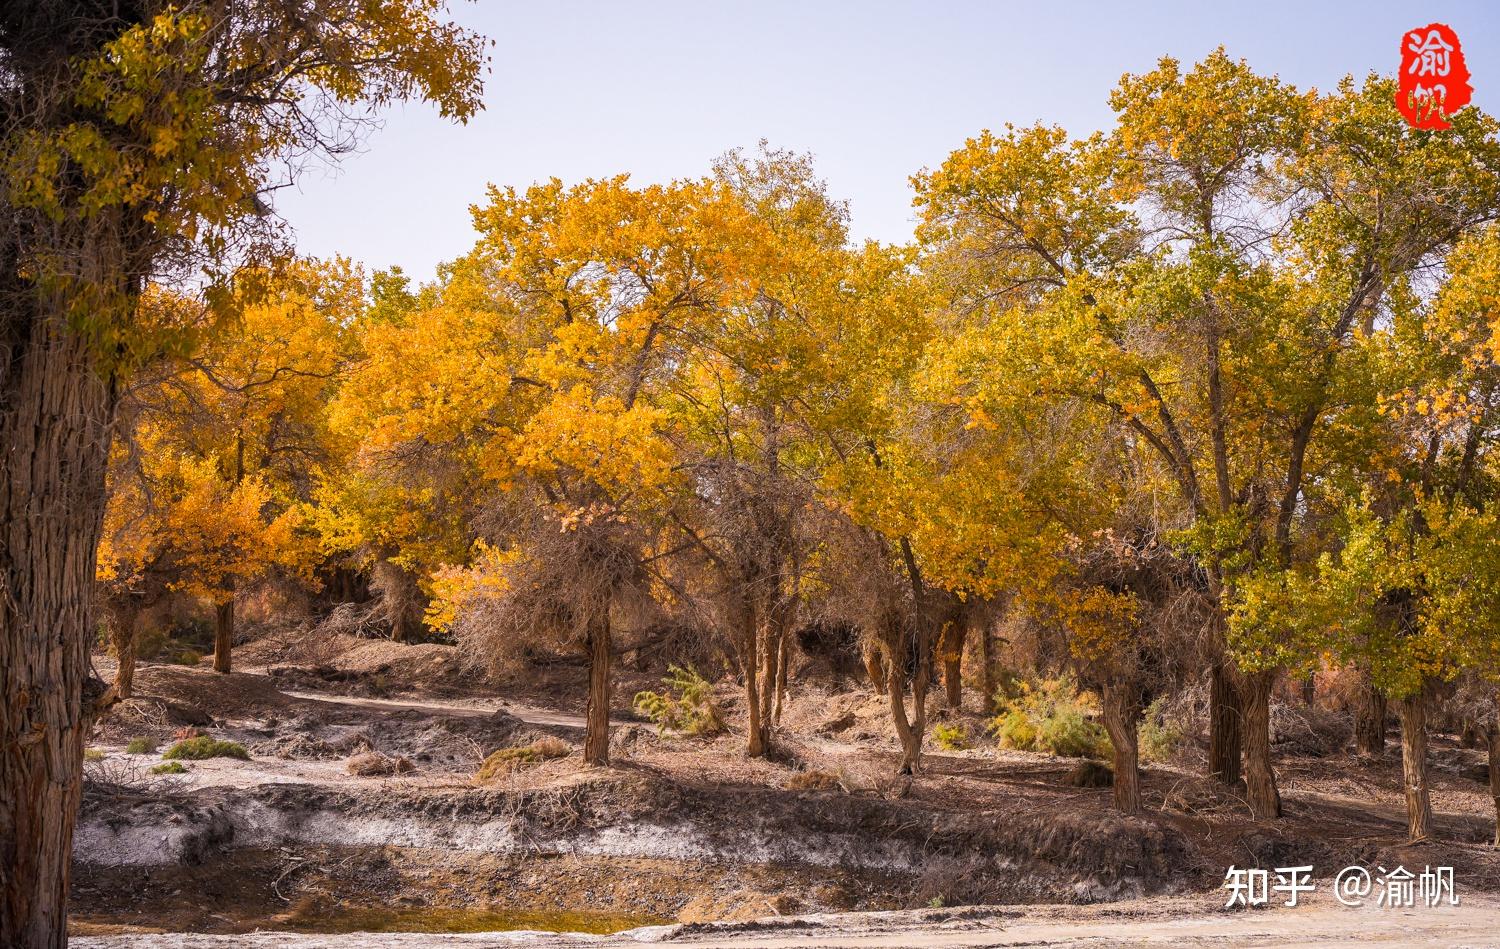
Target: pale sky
(874, 90)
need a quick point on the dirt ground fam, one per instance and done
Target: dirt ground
(690, 831)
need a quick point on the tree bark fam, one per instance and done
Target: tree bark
(1369, 720)
(1224, 726)
(987, 667)
(55, 411)
(596, 717)
(1260, 776)
(223, 634)
(954, 635)
(1122, 720)
(784, 639)
(908, 732)
(120, 621)
(1494, 748)
(1413, 714)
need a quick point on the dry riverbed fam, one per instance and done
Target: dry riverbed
(692, 834)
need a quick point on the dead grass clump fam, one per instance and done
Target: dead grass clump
(813, 779)
(1308, 730)
(508, 761)
(375, 764)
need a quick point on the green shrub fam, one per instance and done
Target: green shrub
(1158, 738)
(187, 657)
(93, 754)
(170, 767)
(141, 746)
(510, 760)
(686, 706)
(202, 746)
(950, 737)
(1051, 716)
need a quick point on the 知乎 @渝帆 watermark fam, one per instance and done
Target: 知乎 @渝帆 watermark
(1352, 886)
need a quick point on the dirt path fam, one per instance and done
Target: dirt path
(471, 708)
(1166, 923)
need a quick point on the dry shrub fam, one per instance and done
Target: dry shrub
(1298, 729)
(508, 761)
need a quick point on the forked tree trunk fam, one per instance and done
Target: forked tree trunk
(596, 717)
(909, 729)
(1225, 727)
(54, 439)
(1413, 714)
(954, 635)
(120, 621)
(1494, 749)
(1260, 776)
(1122, 717)
(1369, 719)
(223, 633)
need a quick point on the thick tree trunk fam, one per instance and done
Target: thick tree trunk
(1413, 714)
(1494, 746)
(1369, 719)
(954, 635)
(1122, 720)
(1224, 726)
(596, 717)
(223, 634)
(54, 437)
(1260, 776)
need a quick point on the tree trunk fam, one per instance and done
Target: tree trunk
(770, 671)
(1309, 690)
(223, 633)
(784, 638)
(1494, 745)
(757, 734)
(954, 635)
(874, 667)
(987, 667)
(909, 735)
(120, 620)
(1260, 776)
(1122, 720)
(1413, 714)
(54, 439)
(596, 717)
(1369, 719)
(1224, 726)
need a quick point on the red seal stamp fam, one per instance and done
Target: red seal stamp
(1434, 80)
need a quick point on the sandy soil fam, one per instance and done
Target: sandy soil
(1170, 923)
